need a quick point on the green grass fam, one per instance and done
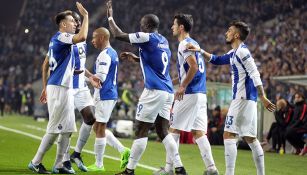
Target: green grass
(17, 150)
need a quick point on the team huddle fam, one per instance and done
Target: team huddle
(66, 89)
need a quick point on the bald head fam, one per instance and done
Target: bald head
(101, 38)
(281, 104)
(103, 32)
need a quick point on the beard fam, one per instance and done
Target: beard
(229, 42)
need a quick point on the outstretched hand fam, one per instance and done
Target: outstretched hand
(192, 47)
(109, 9)
(268, 104)
(129, 55)
(81, 9)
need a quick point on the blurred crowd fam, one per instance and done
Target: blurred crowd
(278, 41)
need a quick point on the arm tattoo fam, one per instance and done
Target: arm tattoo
(260, 90)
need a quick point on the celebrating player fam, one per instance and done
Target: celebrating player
(190, 108)
(246, 85)
(156, 100)
(59, 90)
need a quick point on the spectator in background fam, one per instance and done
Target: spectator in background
(298, 125)
(215, 130)
(283, 115)
(29, 94)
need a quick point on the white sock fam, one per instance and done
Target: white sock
(61, 149)
(169, 163)
(230, 155)
(114, 142)
(137, 149)
(100, 145)
(205, 151)
(45, 145)
(66, 154)
(258, 156)
(172, 149)
(84, 133)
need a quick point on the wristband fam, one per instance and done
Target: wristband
(110, 18)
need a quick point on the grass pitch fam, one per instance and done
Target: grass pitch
(17, 149)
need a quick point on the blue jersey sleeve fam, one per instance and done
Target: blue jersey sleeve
(221, 60)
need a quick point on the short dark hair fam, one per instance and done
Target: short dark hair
(301, 95)
(242, 27)
(62, 15)
(186, 20)
(75, 15)
(152, 21)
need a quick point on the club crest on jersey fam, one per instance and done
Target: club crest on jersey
(137, 35)
(67, 35)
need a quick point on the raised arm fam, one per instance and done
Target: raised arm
(115, 30)
(82, 35)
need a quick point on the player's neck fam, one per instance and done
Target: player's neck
(107, 44)
(236, 44)
(183, 36)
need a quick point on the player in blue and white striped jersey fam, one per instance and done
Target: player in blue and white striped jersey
(190, 107)
(246, 86)
(59, 90)
(156, 100)
(106, 96)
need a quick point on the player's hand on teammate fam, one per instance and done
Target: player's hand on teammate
(192, 48)
(81, 9)
(43, 97)
(109, 9)
(268, 104)
(95, 81)
(129, 56)
(179, 93)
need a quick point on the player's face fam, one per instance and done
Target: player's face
(96, 41)
(143, 26)
(231, 34)
(175, 28)
(78, 21)
(69, 24)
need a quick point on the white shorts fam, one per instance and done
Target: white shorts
(242, 118)
(103, 110)
(190, 113)
(82, 98)
(152, 103)
(60, 102)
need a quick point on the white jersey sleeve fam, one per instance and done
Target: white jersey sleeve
(139, 37)
(183, 51)
(66, 38)
(103, 66)
(249, 63)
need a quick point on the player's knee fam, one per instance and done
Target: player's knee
(197, 133)
(88, 115)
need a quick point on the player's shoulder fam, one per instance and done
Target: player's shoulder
(243, 52)
(111, 52)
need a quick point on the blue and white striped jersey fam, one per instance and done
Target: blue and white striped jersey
(154, 60)
(79, 53)
(245, 76)
(61, 61)
(107, 64)
(198, 83)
